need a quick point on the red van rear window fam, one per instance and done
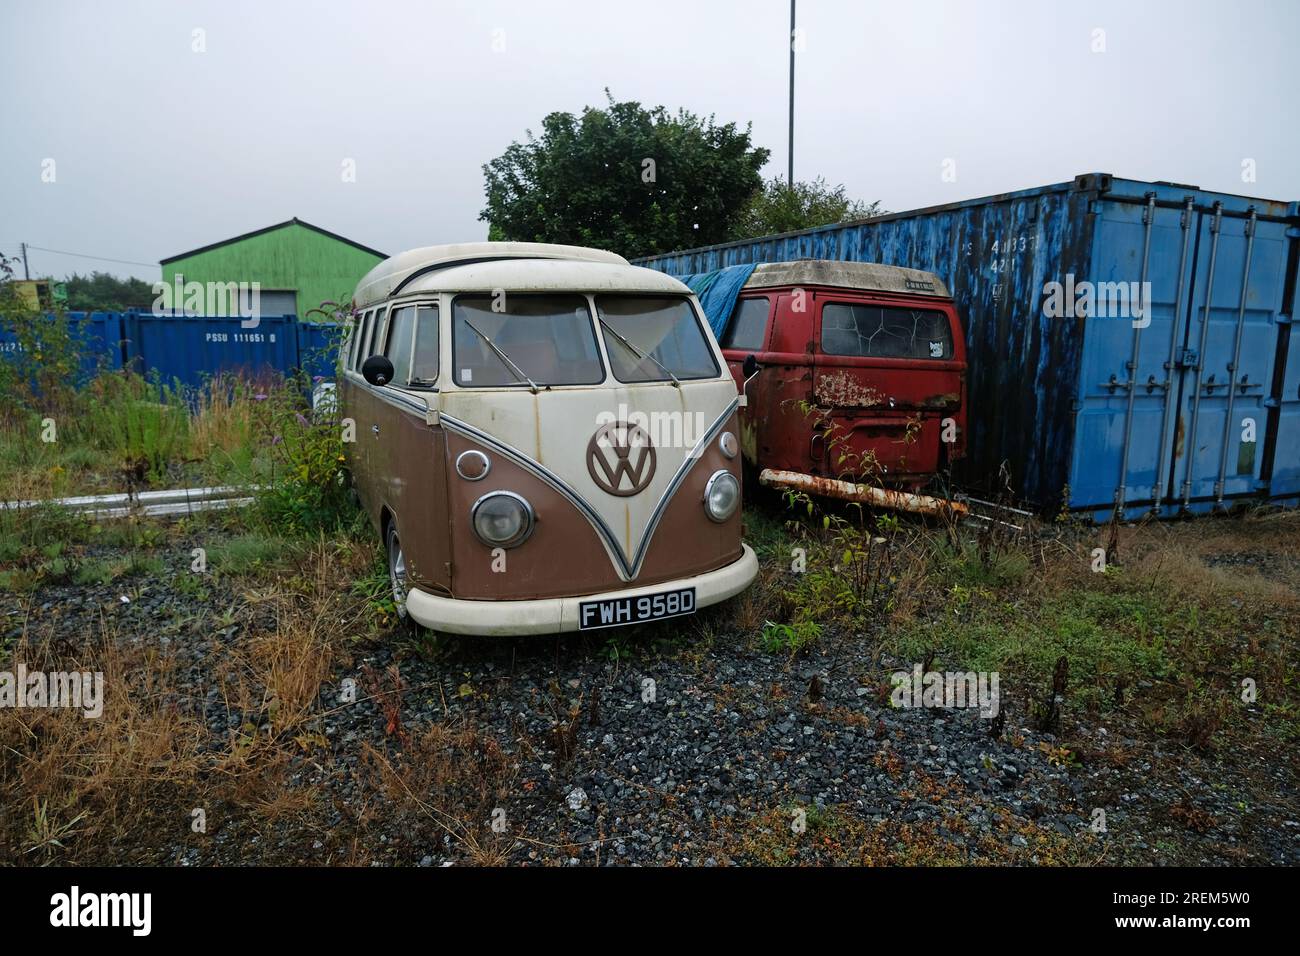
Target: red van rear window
(873, 331)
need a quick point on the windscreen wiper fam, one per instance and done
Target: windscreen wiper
(515, 369)
(636, 351)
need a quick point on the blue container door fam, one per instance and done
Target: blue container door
(1228, 363)
(1129, 382)
(1144, 439)
(1173, 413)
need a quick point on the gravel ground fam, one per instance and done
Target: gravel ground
(695, 750)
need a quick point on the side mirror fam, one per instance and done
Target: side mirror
(377, 370)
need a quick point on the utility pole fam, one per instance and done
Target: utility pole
(789, 177)
(26, 274)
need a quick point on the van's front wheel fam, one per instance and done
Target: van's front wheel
(396, 568)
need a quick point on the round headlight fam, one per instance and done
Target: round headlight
(502, 519)
(721, 495)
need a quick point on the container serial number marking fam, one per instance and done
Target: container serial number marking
(239, 337)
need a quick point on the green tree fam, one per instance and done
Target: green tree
(624, 178)
(100, 290)
(777, 208)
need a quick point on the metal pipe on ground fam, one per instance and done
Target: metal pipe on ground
(867, 494)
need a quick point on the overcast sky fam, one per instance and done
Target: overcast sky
(158, 149)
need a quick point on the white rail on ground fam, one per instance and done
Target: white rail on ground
(174, 501)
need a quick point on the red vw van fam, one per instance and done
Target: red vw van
(858, 374)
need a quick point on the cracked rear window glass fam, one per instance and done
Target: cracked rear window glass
(873, 331)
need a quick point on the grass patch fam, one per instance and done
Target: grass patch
(1164, 636)
(95, 571)
(838, 836)
(251, 553)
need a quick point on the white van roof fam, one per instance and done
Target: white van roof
(545, 275)
(400, 272)
(871, 276)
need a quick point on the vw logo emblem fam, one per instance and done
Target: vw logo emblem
(621, 458)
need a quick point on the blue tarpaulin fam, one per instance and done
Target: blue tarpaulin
(717, 291)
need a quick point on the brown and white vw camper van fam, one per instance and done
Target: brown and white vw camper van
(545, 437)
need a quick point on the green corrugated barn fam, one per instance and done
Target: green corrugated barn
(298, 266)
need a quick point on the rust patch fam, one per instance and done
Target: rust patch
(1178, 437)
(749, 439)
(843, 390)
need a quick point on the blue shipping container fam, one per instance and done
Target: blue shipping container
(190, 348)
(1092, 400)
(100, 335)
(318, 347)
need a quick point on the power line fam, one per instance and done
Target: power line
(82, 255)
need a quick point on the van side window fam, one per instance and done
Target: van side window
(401, 333)
(873, 331)
(425, 370)
(354, 344)
(375, 343)
(358, 336)
(366, 334)
(360, 344)
(748, 328)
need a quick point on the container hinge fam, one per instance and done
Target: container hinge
(1187, 358)
(1251, 221)
(1283, 319)
(1272, 403)
(1293, 232)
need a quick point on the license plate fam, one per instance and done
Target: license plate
(617, 612)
